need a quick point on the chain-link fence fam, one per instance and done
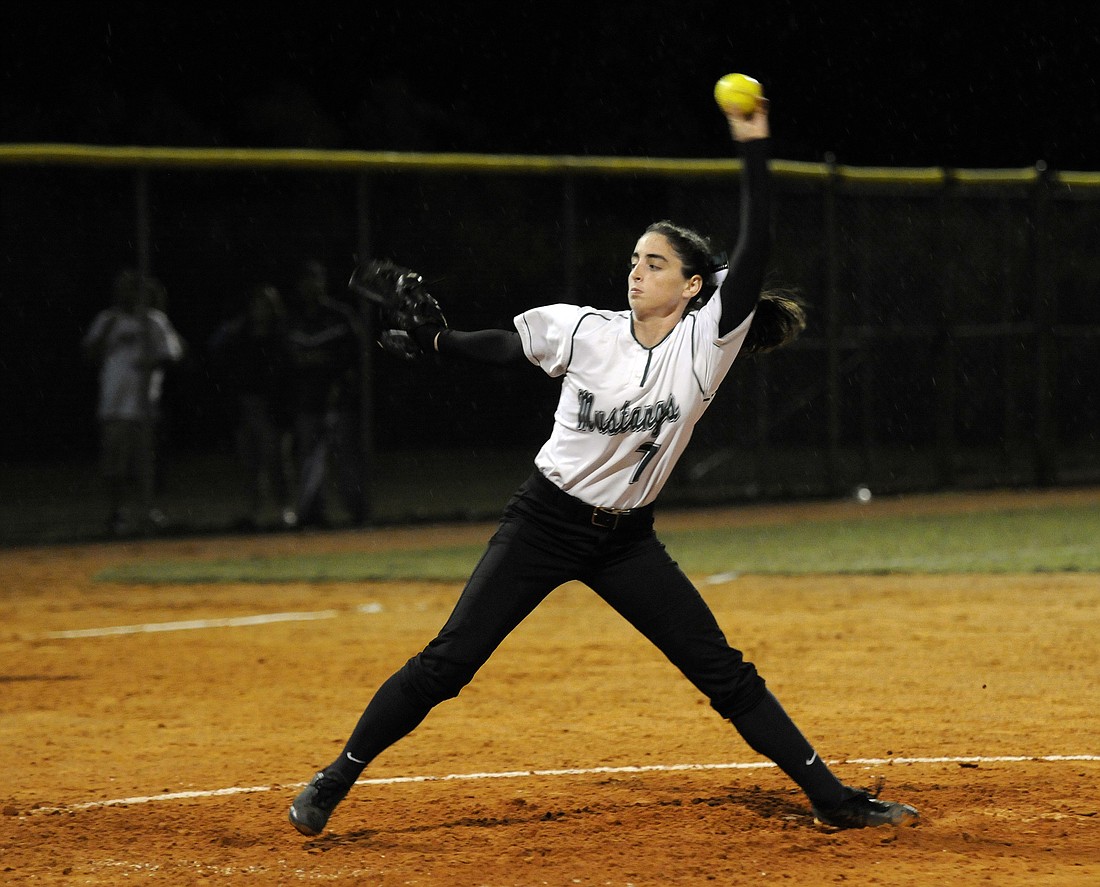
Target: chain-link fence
(954, 325)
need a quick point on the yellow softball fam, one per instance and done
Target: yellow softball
(738, 92)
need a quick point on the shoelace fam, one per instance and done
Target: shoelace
(873, 793)
(329, 791)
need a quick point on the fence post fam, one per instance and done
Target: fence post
(142, 236)
(569, 233)
(866, 342)
(368, 463)
(832, 328)
(1011, 434)
(1046, 443)
(142, 239)
(944, 343)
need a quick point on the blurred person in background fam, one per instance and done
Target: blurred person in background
(325, 344)
(132, 342)
(249, 353)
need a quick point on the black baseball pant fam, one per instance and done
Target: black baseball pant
(545, 539)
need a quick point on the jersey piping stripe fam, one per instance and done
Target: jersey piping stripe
(694, 373)
(576, 329)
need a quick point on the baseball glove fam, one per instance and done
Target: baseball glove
(404, 306)
(399, 344)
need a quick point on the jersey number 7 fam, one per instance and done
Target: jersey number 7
(648, 451)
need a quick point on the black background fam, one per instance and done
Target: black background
(998, 85)
(931, 84)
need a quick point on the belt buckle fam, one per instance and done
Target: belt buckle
(607, 518)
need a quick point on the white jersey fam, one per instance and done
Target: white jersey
(125, 390)
(626, 412)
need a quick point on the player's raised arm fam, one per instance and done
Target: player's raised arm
(748, 262)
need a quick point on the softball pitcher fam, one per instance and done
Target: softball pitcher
(634, 384)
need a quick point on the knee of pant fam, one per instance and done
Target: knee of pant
(741, 696)
(435, 678)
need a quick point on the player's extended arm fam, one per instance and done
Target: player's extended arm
(497, 347)
(741, 288)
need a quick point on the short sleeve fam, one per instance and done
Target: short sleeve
(95, 331)
(169, 346)
(547, 335)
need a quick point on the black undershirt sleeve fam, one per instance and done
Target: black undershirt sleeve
(748, 262)
(497, 347)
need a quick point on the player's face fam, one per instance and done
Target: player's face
(656, 286)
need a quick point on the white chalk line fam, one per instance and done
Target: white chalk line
(193, 624)
(572, 771)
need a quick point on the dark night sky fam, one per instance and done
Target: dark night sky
(875, 84)
(912, 84)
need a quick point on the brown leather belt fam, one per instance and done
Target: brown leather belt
(596, 516)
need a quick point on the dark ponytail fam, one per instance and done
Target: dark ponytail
(780, 318)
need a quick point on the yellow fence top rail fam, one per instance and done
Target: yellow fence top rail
(58, 154)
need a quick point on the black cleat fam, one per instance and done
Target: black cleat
(866, 811)
(314, 805)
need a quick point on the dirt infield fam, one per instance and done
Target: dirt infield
(577, 756)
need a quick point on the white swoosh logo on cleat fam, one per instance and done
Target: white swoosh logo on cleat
(813, 758)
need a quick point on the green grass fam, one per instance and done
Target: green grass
(448, 564)
(1053, 539)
